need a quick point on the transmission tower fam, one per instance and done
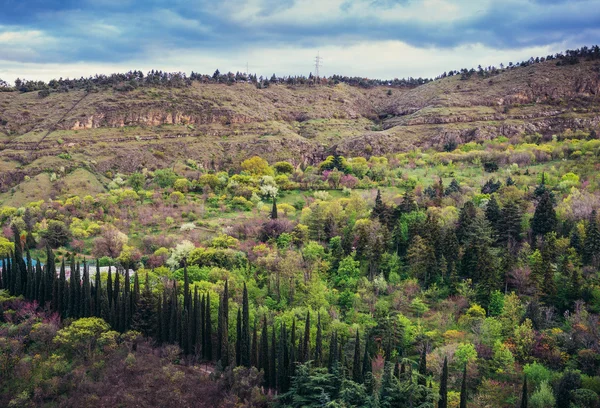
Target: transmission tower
(318, 64)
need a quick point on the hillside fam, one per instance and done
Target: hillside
(102, 133)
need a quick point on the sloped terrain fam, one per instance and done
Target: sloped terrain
(219, 125)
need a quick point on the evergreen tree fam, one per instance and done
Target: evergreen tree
(86, 308)
(510, 230)
(367, 367)
(283, 362)
(493, 214)
(467, 215)
(273, 361)
(591, 245)
(463, 389)
(97, 292)
(264, 353)
(245, 330)
(524, 396)
(292, 366)
(356, 367)
(333, 352)
(208, 330)
(319, 343)
(422, 379)
(254, 348)
(444, 386)
(274, 209)
(109, 287)
(544, 218)
(62, 295)
(223, 329)
(306, 344)
(238, 339)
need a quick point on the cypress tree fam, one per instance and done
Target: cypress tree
(319, 343)
(422, 379)
(544, 218)
(38, 286)
(62, 293)
(186, 287)
(127, 301)
(223, 329)
(306, 344)
(444, 386)
(86, 297)
(135, 295)
(109, 287)
(356, 367)
(195, 320)
(208, 329)
(274, 209)
(98, 292)
(185, 335)
(50, 274)
(333, 352)
(273, 361)
(245, 344)
(292, 365)
(254, 348)
(117, 287)
(202, 329)
(463, 389)
(3, 274)
(238, 339)
(282, 362)
(264, 353)
(19, 267)
(524, 396)
(366, 362)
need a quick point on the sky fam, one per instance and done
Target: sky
(45, 39)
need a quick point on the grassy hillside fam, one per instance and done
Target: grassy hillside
(218, 126)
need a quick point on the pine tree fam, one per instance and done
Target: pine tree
(466, 217)
(306, 344)
(544, 218)
(493, 214)
(356, 367)
(444, 386)
(463, 389)
(591, 245)
(245, 344)
(524, 396)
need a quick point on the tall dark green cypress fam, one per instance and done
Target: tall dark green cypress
(293, 358)
(97, 292)
(356, 367)
(366, 362)
(37, 283)
(306, 343)
(50, 274)
(117, 288)
(186, 288)
(333, 352)
(223, 329)
(195, 321)
(273, 361)
(109, 287)
(463, 389)
(19, 267)
(86, 298)
(524, 396)
(274, 209)
(282, 361)
(254, 348)
(319, 343)
(208, 329)
(444, 386)
(238, 339)
(264, 353)
(245, 344)
(185, 332)
(202, 341)
(62, 292)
